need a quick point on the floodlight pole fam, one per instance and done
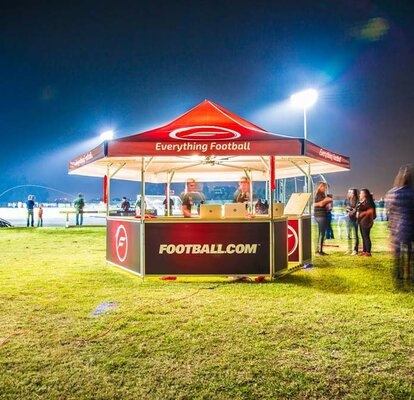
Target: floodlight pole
(305, 132)
(305, 99)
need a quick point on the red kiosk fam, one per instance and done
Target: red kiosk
(209, 144)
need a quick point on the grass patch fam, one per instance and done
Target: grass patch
(338, 330)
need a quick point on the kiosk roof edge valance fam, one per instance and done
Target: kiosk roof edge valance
(213, 136)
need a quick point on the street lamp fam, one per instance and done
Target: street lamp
(305, 99)
(107, 135)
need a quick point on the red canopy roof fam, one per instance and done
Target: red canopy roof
(209, 121)
(207, 130)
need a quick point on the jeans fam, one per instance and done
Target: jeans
(352, 225)
(366, 240)
(40, 222)
(79, 217)
(322, 224)
(30, 218)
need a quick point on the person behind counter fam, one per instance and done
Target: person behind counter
(191, 198)
(320, 212)
(138, 205)
(164, 203)
(242, 194)
(125, 205)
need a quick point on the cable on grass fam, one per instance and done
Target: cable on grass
(106, 332)
(7, 338)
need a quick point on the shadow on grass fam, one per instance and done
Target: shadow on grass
(329, 284)
(332, 284)
(340, 274)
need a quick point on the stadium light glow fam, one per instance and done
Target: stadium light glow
(107, 135)
(304, 99)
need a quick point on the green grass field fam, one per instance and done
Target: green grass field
(338, 330)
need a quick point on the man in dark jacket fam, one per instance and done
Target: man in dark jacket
(79, 203)
(30, 208)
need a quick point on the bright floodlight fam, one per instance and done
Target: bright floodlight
(107, 135)
(305, 99)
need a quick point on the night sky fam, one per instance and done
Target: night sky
(72, 69)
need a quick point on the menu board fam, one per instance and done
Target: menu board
(297, 203)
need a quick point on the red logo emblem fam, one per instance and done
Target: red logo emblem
(293, 240)
(121, 243)
(204, 132)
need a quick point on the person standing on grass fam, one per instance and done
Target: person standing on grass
(366, 215)
(329, 230)
(320, 212)
(351, 202)
(30, 210)
(40, 215)
(79, 203)
(400, 206)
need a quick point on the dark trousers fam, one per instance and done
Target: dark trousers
(30, 218)
(353, 230)
(322, 224)
(403, 259)
(79, 217)
(366, 240)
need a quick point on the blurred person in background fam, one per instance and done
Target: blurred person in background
(79, 203)
(125, 205)
(366, 215)
(400, 205)
(171, 201)
(40, 215)
(30, 210)
(321, 200)
(350, 204)
(329, 230)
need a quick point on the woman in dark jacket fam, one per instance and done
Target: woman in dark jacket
(366, 215)
(351, 202)
(319, 208)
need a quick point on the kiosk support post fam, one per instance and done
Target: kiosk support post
(167, 194)
(310, 189)
(271, 196)
(108, 190)
(142, 212)
(248, 173)
(170, 176)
